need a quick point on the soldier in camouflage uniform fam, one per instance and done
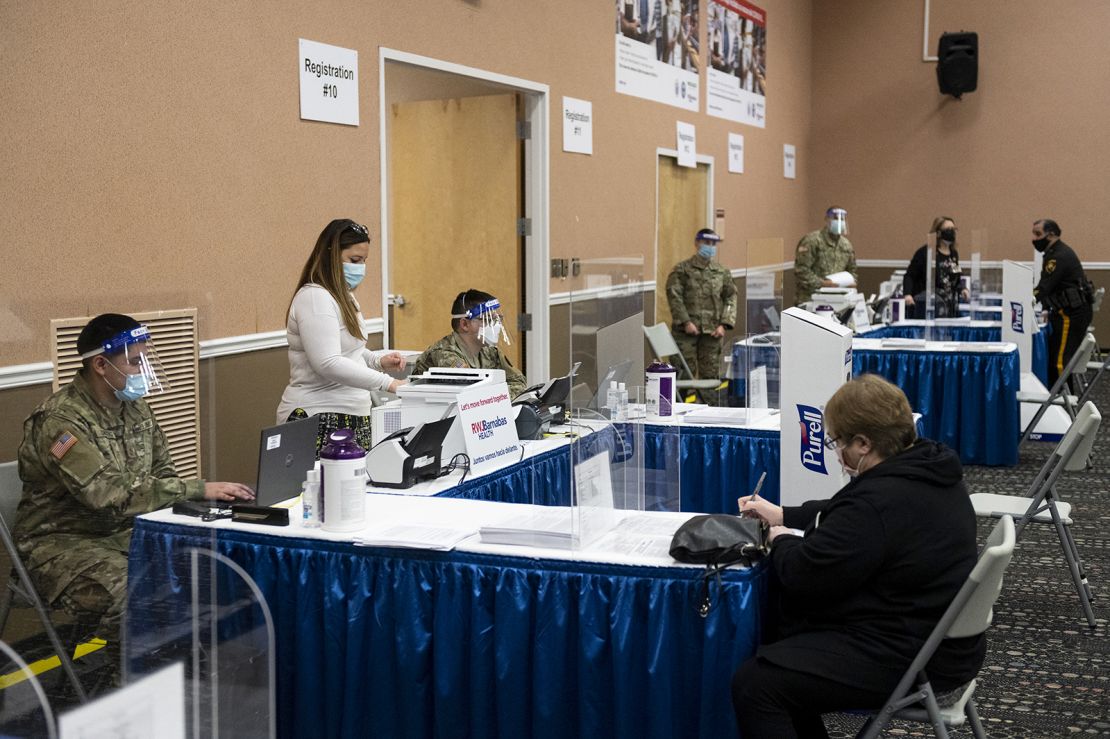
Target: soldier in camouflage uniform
(822, 253)
(477, 327)
(92, 458)
(702, 299)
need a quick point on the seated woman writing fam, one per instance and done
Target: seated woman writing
(864, 576)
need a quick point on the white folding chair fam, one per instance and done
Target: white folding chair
(663, 346)
(1042, 505)
(1060, 394)
(19, 582)
(969, 614)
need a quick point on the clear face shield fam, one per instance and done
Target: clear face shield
(132, 354)
(493, 327)
(837, 220)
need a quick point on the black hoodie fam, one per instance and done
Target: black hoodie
(879, 563)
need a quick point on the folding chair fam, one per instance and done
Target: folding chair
(663, 346)
(1099, 365)
(1060, 394)
(19, 582)
(1044, 506)
(970, 613)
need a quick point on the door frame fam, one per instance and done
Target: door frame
(710, 211)
(536, 97)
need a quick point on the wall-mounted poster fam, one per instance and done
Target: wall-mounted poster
(736, 49)
(657, 50)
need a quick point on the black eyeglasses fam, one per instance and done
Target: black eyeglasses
(830, 442)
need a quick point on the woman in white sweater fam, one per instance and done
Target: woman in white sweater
(331, 372)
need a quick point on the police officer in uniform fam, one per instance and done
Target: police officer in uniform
(702, 299)
(1064, 292)
(477, 328)
(93, 458)
(822, 253)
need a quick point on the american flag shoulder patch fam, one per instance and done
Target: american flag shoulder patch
(62, 444)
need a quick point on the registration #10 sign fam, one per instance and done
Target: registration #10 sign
(329, 83)
(489, 430)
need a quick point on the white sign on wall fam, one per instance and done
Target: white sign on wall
(489, 431)
(686, 143)
(578, 126)
(736, 153)
(789, 161)
(329, 83)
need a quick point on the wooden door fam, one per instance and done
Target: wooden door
(683, 211)
(455, 197)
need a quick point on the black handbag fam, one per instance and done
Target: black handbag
(718, 541)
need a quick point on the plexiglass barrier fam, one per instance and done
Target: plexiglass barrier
(195, 606)
(614, 466)
(25, 709)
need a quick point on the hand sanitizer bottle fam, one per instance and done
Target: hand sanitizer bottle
(310, 499)
(622, 403)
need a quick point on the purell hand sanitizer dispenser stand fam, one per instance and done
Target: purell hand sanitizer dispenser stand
(816, 361)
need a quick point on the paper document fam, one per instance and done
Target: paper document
(413, 536)
(654, 525)
(913, 343)
(842, 279)
(550, 529)
(718, 416)
(638, 546)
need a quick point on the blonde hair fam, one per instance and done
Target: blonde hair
(870, 406)
(324, 267)
(939, 220)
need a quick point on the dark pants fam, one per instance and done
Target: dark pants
(1068, 329)
(773, 702)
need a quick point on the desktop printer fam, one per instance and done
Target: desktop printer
(542, 405)
(430, 397)
(408, 456)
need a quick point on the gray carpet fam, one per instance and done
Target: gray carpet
(1047, 674)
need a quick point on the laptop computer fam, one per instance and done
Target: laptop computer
(285, 455)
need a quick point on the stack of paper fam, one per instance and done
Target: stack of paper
(715, 416)
(413, 536)
(911, 343)
(547, 529)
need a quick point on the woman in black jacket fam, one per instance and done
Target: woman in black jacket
(946, 275)
(864, 576)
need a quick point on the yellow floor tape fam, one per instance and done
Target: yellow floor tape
(44, 665)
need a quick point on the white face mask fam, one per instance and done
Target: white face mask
(490, 334)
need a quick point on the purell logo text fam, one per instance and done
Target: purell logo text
(812, 423)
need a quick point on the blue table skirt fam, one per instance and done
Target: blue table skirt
(718, 465)
(1039, 360)
(408, 643)
(967, 400)
(721, 464)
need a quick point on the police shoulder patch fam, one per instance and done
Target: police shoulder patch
(1050, 266)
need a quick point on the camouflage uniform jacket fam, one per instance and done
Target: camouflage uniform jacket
(820, 254)
(87, 472)
(450, 352)
(703, 292)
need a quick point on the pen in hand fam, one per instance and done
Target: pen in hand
(755, 493)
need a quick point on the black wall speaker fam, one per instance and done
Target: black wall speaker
(958, 63)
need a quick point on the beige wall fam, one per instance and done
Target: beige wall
(161, 160)
(1029, 143)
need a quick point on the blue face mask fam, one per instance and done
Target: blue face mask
(353, 274)
(134, 387)
(705, 251)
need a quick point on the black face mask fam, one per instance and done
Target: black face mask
(948, 234)
(1040, 244)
